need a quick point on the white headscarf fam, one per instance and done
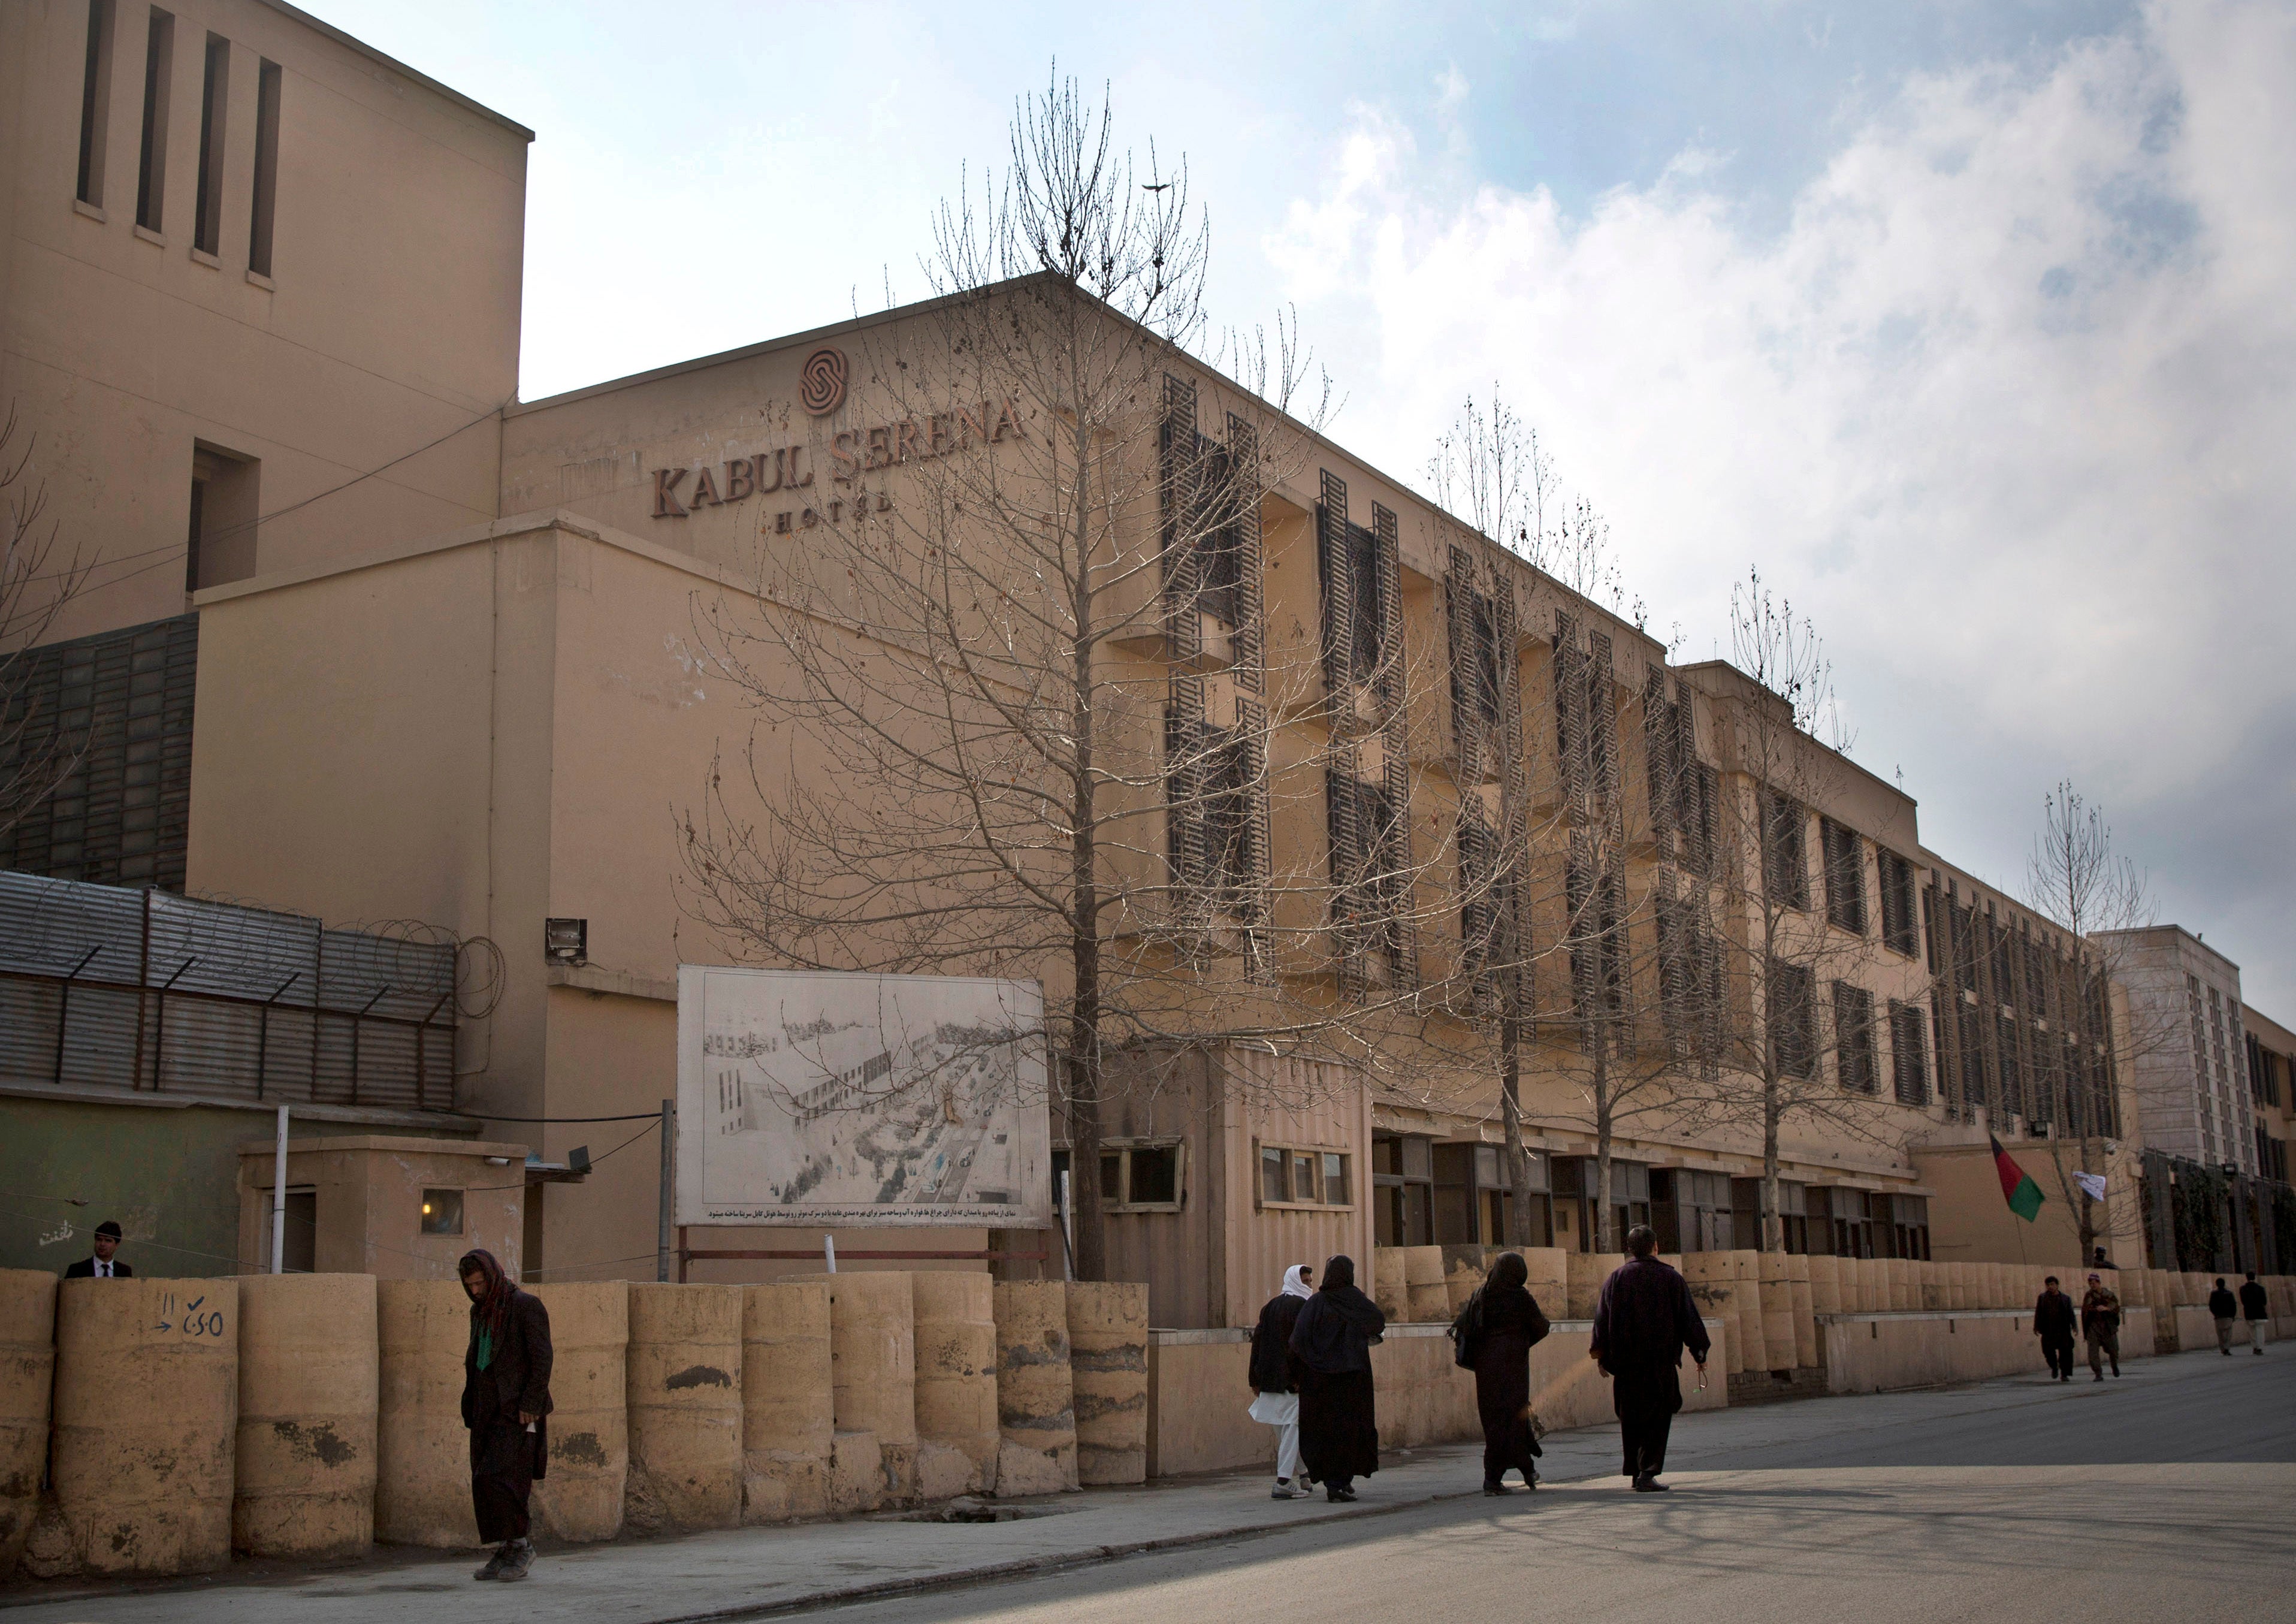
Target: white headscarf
(1295, 1281)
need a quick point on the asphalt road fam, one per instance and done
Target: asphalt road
(2167, 1495)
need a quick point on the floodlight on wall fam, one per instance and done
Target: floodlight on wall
(566, 941)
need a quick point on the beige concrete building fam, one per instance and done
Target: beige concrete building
(450, 658)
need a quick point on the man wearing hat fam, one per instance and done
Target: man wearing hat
(102, 1267)
(2100, 1313)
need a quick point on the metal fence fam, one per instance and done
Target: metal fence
(111, 987)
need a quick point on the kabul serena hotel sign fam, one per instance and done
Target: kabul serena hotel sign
(852, 452)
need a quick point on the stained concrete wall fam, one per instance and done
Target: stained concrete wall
(1873, 1353)
(309, 1402)
(27, 1364)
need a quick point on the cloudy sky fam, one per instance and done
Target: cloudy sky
(1973, 325)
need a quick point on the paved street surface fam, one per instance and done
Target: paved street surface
(2168, 1494)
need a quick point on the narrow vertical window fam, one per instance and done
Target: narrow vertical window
(96, 101)
(151, 163)
(215, 96)
(267, 169)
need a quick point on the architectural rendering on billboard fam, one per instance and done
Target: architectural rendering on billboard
(823, 1099)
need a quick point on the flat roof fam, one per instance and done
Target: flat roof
(350, 43)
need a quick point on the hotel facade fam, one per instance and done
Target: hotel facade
(367, 641)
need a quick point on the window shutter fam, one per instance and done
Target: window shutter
(1336, 558)
(1184, 785)
(1242, 503)
(1181, 506)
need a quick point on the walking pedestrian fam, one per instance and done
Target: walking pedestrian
(2224, 1308)
(1275, 1390)
(1339, 1426)
(2257, 1306)
(1643, 1321)
(104, 1264)
(505, 1404)
(2053, 1323)
(1494, 1334)
(2100, 1313)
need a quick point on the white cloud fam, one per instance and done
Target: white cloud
(2005, 404)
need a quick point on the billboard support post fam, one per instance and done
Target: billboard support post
(668, 1185)
(829, 1251)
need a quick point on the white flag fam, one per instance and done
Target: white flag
(2092, 1185)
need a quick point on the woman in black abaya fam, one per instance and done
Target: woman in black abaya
(1500, 1325)
(1339, 1428)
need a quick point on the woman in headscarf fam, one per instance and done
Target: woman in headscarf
(505, 1401)
(1497, 1331)
(1275, 1402)
(1339, 1428)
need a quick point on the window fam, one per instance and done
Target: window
(215, 100)
(2011, 1065)
(1844, 855)
(1402, 1188)
(1357, 569)
(1209, 505)
(1910, 1054)
(1304, 1176)
(1971, 1035)
(1785, 867)
(266, 169)
(152, 160)
(1477, 637)
(1791, 1014)
(1212, 788)
(1367, 860)
(1900, 923)
(1691, 1210)
(1486, 900)
(442, 1212)
(1853, 1040)
(1143, 1176)
(96, 101)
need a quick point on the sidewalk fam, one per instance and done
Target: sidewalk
(749, 1572)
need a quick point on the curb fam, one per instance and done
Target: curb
(1085, 1557)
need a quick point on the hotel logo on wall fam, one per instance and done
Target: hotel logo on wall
(821, 382)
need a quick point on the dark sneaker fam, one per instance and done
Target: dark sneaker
(495, 1563)
(1649, 1486)
(1491, 1487)
(1338, 1496)
(520, 1558)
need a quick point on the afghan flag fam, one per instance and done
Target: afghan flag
(2017, 1185)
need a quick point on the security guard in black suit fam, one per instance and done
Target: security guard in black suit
(102, 1265)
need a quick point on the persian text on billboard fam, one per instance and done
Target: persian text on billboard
(822, 1099)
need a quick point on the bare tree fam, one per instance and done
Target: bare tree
(1022, 710)
(37, 579)
(1783, 943)
(2074, 878)
(1566, 943)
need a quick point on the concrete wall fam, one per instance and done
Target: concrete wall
(1871, 1353)
(164, 1168)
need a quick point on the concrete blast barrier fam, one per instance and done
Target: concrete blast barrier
(146, 1415)
(1036, 1396)
(1108, 1362)
(1805, 1313)
(956, 1382)
(1826, 1285)
(1588, 1270)
(1933, 1288)
(1548, 1278)
(788, 1404)
(423, 1452)
(1778, 1310)
(1465, 1270)
(872, 1351)
(1390, 1288)
(28, 1367)
(683, 1389)
(1423, 1272)
(580, 1498)
(1745, 1271)
(309, 1393)
(1713, 1287)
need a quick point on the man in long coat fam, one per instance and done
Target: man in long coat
(506, 1405)
(1643, 1321)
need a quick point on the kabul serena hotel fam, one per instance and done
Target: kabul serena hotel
(389, 702)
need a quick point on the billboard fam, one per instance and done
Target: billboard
(826, 1100)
